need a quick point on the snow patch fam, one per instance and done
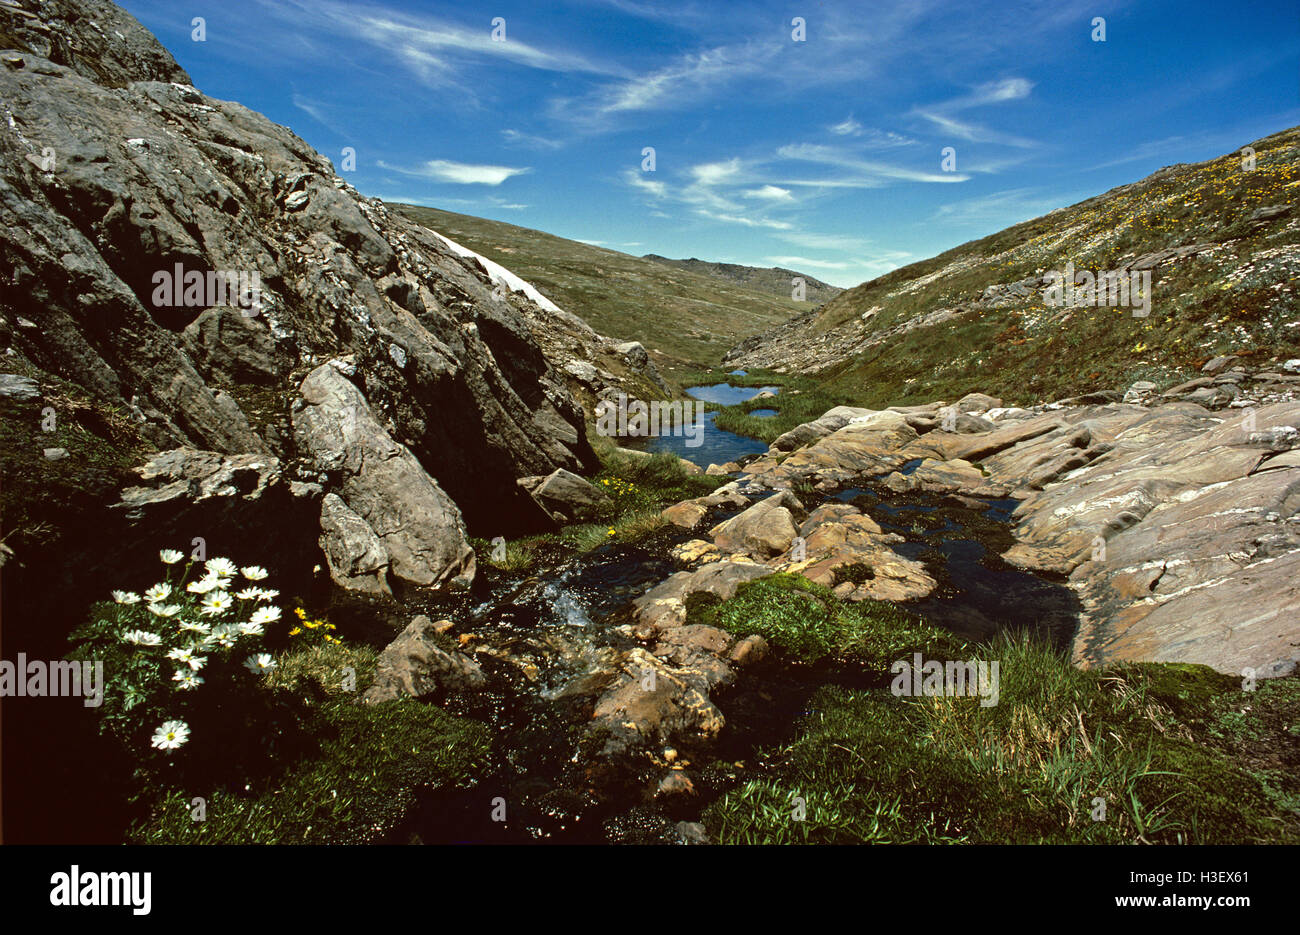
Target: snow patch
(499, 274)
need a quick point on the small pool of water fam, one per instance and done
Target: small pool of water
(717, 446)
(724, 394)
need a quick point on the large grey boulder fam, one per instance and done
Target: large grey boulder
(382, 483)
(356, 557)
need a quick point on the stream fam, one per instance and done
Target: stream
(547, 640)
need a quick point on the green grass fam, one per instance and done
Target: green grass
(868, 767)
(808, 623)
(685, 315)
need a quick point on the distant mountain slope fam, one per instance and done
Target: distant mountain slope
(685, 315)
(775, 280)
(1220, 239)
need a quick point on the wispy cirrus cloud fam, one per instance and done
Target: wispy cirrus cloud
(859, 172)
(991, 92)
(1001, 208)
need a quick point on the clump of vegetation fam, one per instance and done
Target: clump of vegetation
(43, 501)
(638, 487)
(807, 622)
(357, 783)
(1118, 755)
(854, 573)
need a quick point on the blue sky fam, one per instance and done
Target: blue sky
(825, 155)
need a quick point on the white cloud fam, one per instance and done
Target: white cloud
(814, 241)
(847, 127)
(863, 173)
(460, 173)
(999, 208)
(747, 222)
(517, 138)
(769, 193)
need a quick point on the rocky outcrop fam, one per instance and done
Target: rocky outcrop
(566, 496)
(190, 263)
(1178, 527)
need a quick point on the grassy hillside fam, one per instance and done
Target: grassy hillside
(774, 280)
(686, 315)
(935, 329)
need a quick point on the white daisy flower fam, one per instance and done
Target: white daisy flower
(170, 556)
(265, 615)
(197, 662)
(254, 572)
(181, 654)
(195, 626)
(224, 636)
(187, 679)
(126, 597)
(268, 594)
(142, 638)
(220, 567)
(202, 586)
(216, 603)
(171, 735)
(157, 594)
(165, 610)
(259, 664)
(250, 629)
(249, 594)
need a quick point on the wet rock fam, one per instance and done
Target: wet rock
(749, 651)
(692, 832)
(676, 783)
(413, 664)
(14, 386)
(651, 704)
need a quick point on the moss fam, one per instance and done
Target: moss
(856, 573)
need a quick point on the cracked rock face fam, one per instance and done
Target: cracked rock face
(188, 261)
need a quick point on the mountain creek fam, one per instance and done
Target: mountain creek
(550, 640)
